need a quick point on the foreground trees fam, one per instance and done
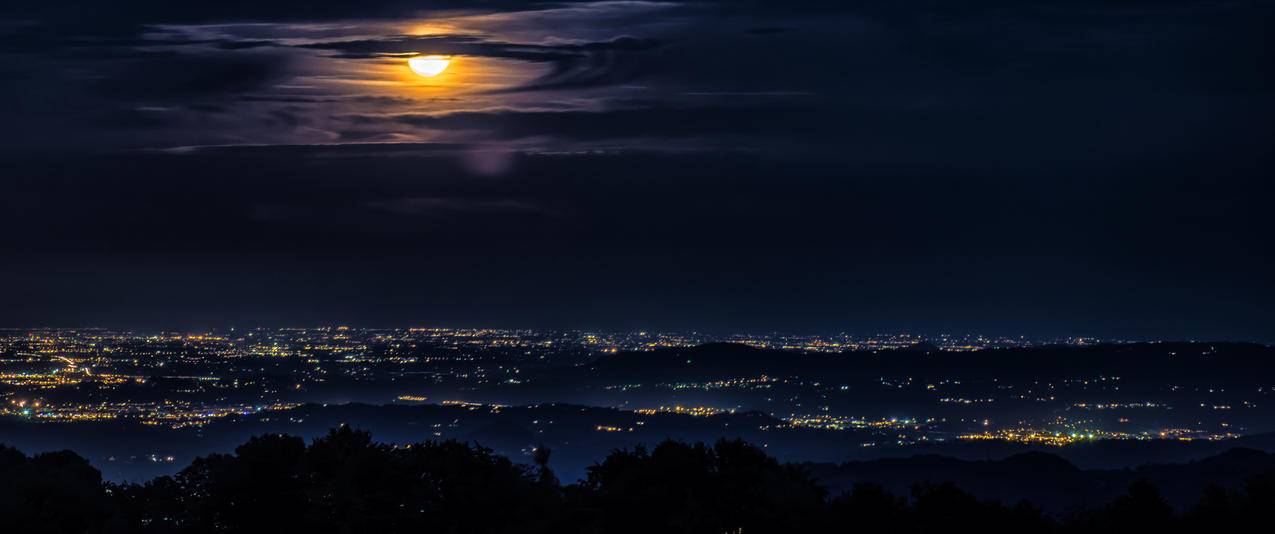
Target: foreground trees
(345, 482)
(342, 482)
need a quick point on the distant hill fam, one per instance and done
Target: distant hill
(1220, 363)
(1047, 480)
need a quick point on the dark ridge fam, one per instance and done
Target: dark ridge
(1222, 363)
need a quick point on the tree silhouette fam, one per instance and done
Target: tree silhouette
(696, 488)
(344, 482)
(51, 492)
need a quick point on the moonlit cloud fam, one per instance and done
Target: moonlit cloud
(242, 74)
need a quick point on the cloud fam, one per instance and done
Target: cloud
(141, 12)
(872, 65)
(602, 63)
(397, 46)
(575, 65)
(185, 75)
(653, 122)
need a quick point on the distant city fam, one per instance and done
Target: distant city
(818, 398)
(43, 366)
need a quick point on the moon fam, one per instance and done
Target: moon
(429, 66)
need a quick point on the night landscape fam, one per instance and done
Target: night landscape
(698, 266)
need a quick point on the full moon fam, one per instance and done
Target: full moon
(429, 66)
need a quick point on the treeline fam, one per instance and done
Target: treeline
(345, 482)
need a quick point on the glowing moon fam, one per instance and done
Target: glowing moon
(429, 66)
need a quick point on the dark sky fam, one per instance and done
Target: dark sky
(1007, 167)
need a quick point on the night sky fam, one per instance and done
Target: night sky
(1043, 168)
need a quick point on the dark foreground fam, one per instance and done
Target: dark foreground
(346, 482)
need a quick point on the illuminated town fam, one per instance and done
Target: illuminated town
(828, 392)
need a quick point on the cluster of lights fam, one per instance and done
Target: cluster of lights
(696, 411)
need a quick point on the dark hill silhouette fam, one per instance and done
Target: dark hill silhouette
(345, 481)
(923, 347)
(711, 360)
(1160, 362)
(503, 435)
(1048, 480)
